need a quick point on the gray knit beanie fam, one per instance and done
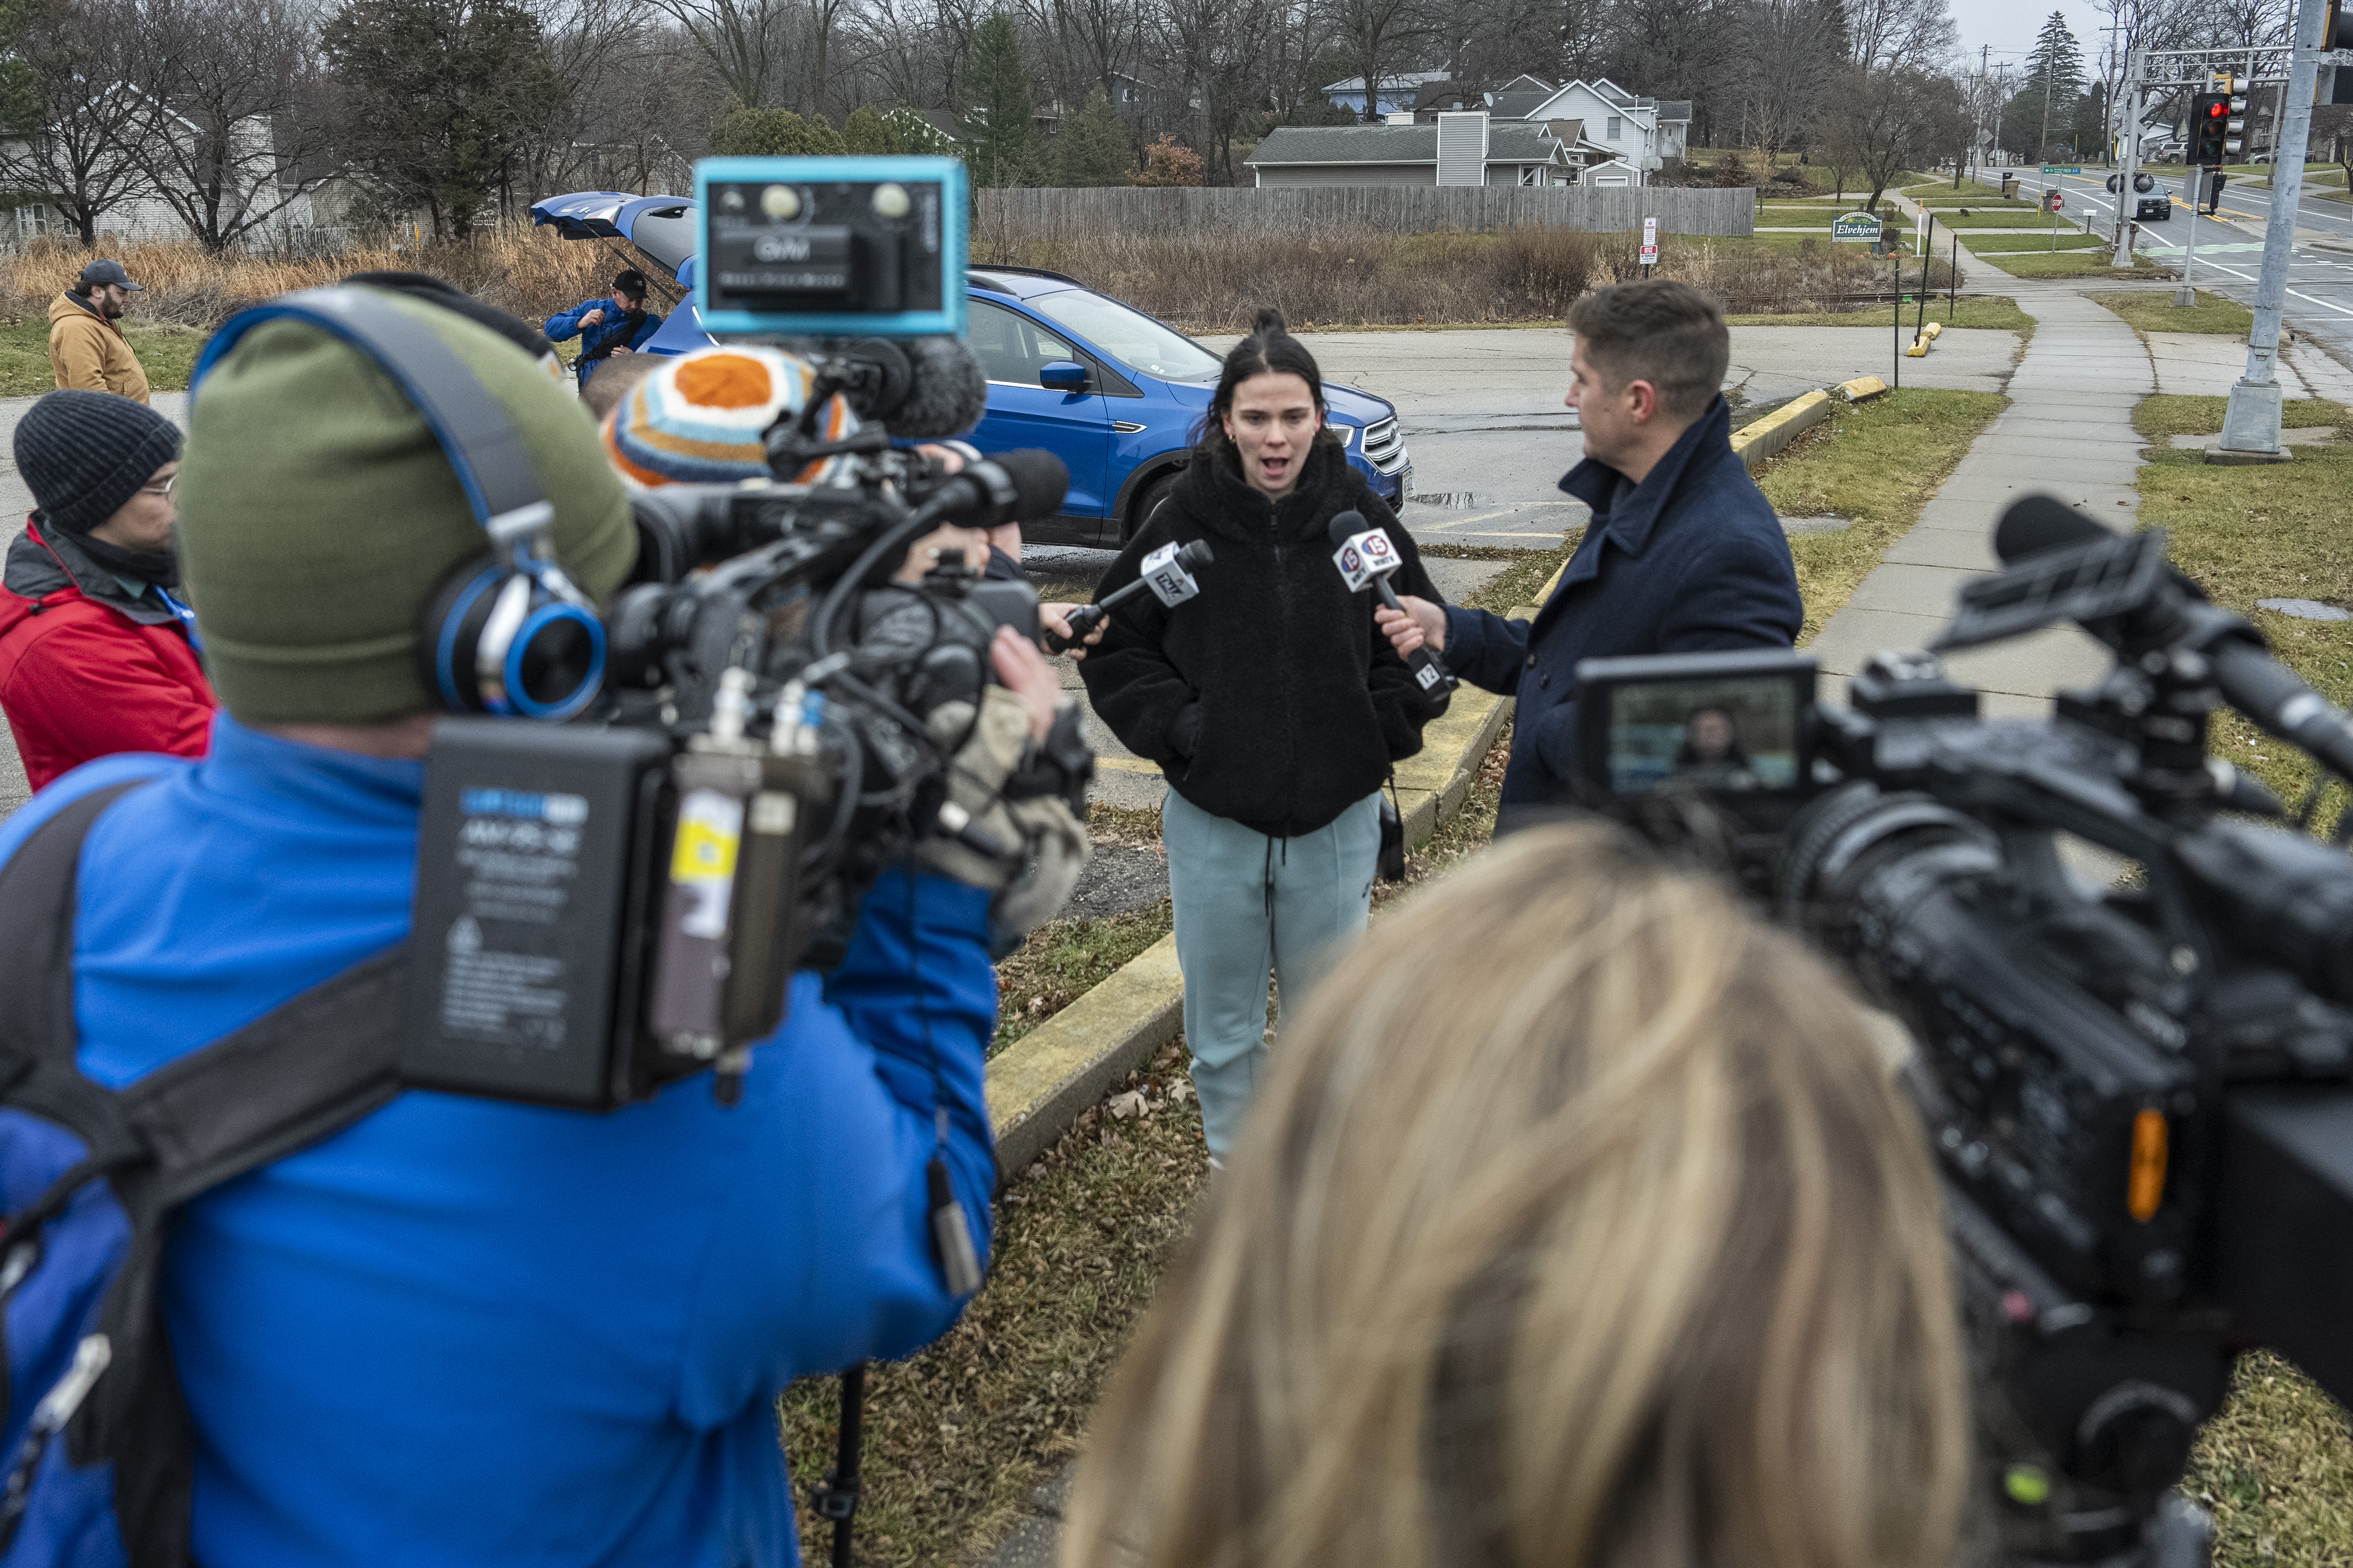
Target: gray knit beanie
(86, 454)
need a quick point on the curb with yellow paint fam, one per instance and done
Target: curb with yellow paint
(1039, 1084)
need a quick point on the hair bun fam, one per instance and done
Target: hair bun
(1269, 319)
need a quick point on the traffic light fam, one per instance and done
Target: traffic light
(2338, 32)
(2234, 129)
(2210, 118)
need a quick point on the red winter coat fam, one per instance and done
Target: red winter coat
(86, 670)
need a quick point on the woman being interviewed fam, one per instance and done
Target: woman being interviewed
(1271, 703)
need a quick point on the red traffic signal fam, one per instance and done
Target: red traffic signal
(2210, 128)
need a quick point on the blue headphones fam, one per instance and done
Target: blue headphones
(506, 633)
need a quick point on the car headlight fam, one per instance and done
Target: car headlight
(1348, 433)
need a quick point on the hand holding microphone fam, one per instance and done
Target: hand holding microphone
(1167, 573)
(1366, 558)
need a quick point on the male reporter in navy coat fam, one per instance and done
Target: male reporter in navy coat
(1683, 553)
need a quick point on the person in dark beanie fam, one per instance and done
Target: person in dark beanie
(88, 351)
(1271, 704)
(466, 1331)
(618, 324)
(98, 652)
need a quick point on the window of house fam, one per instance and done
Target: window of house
(1615, 126)
(1530, 174)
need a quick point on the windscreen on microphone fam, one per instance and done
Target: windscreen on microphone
(945, 393)
(1195, 555)
(2037, 525)
(1040, 479)
(1346, 526)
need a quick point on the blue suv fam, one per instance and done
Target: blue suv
(1111, 391)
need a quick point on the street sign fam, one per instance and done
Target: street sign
(2056, 199)
(1649, 242)
(2062, 168)
(1853, 226)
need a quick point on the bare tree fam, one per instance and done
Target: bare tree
(1376, 36)
(1793, 46)
(1917, 35)
(84, 155)
(237, 130)
(743, 42)
(1880, 122)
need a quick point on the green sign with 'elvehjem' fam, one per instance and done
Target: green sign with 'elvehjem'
(1855, 226)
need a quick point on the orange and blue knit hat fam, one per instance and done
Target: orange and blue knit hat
(699, 418)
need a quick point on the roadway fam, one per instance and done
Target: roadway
(2229, 250)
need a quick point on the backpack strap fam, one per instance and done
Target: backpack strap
(301, 1072)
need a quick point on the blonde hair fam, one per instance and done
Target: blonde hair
(1579, 1224)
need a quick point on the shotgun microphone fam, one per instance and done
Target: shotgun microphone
(1167, 572)
(1366, 558)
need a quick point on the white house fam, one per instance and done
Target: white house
(1645, 131)
(141, 214)
(1466, 149)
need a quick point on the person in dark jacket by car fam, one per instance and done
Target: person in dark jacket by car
(1683, 553)
(618, 324)
(97, 653)
(1271, 703)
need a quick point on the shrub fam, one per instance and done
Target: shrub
(1167, 162)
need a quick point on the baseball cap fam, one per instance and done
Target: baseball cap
(104, 271)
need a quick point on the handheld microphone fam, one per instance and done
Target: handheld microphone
(2256, 684)
(1167, 573)
(1365, 557)
(1021, 486)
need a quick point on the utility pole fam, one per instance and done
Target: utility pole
(2128, 166)
(2250, 423)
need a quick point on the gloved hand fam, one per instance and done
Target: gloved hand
(1031, 851)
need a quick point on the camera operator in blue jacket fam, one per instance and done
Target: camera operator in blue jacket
(618, 324)
(1683, 553)
(465, 1331)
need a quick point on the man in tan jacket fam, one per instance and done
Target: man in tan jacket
(87, 348)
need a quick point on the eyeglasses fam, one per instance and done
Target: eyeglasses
(163, 490)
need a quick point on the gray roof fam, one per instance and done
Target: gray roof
(1519, 105)
(1671, 109)
(1507, 143)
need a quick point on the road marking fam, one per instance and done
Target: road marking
(1456, 526)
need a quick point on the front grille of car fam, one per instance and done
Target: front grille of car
(1384, 446)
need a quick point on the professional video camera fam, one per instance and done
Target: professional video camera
(2136, 1082)
(760, 713)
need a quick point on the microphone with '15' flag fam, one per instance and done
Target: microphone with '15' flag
(1366, 558)
(1167, 573)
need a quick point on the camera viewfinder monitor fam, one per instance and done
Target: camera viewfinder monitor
(830, 248)
(1723, 723)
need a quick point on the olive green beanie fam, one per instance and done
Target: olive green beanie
(318, 513)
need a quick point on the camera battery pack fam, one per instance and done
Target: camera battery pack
(530, 924)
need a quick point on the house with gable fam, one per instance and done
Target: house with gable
(1644, 132)
(1467, 148)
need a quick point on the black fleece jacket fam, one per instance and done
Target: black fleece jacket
(1269, 698)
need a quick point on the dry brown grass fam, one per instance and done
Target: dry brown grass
(528, 272)
(1216, 284)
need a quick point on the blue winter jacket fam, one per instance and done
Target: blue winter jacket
(1690, 560)
(614, 329)
(463, 1332)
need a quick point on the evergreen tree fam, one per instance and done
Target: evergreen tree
(866, 131)
(1092, 147)
(2055, 81)
(773, 133)
(438, 95)
(919, 135)
(1000, 129)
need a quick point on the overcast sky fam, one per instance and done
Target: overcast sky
(2007, 28)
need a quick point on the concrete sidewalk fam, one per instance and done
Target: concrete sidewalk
(2068, 433)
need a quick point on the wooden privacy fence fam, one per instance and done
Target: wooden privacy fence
(1307, 211)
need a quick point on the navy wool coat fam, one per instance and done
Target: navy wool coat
(1692, 560)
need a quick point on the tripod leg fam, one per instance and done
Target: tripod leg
(836, 1496)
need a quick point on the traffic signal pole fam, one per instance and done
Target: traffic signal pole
(2250, 423)
(2128, 167)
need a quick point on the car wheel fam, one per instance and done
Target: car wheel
(1147, 501)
